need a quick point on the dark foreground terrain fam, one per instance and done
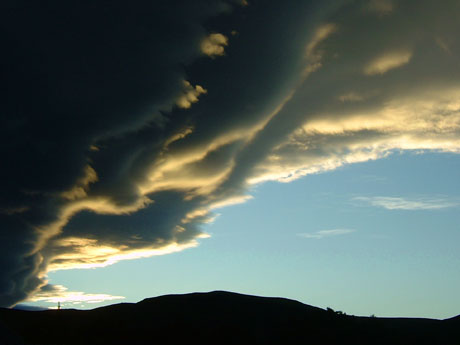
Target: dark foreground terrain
(218, 318)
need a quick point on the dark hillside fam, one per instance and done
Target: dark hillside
(218, 318)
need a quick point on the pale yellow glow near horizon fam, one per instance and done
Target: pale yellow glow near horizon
(60, 294)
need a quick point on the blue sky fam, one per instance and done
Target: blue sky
(388, 262)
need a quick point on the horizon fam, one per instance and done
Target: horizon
(303, 150)
(220, 316)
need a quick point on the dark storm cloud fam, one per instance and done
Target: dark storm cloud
(168, 171)
(91, 110)
(123, 126)
(76, 74)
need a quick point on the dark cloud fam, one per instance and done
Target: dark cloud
(123, 126)
(76, 75)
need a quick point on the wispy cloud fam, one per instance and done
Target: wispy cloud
(410, 204)
(326, 233)
(59, 294)
(388, 62)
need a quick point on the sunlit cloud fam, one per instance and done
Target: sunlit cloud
(408, 204)
(326, 233)
(388, 61)
(83, 253)
(314, 54)
(231, 201)
(55, 294)
(214, 45)
(190, 95)
(82, 185)
(429, 121)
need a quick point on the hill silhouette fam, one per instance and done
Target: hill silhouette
(217, 318)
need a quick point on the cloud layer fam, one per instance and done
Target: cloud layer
(123, 126)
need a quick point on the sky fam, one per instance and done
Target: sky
(306, 150)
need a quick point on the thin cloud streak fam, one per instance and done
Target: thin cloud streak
(327, 233)
(408, 204)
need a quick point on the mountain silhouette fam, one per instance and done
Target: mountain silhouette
(218, 318)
